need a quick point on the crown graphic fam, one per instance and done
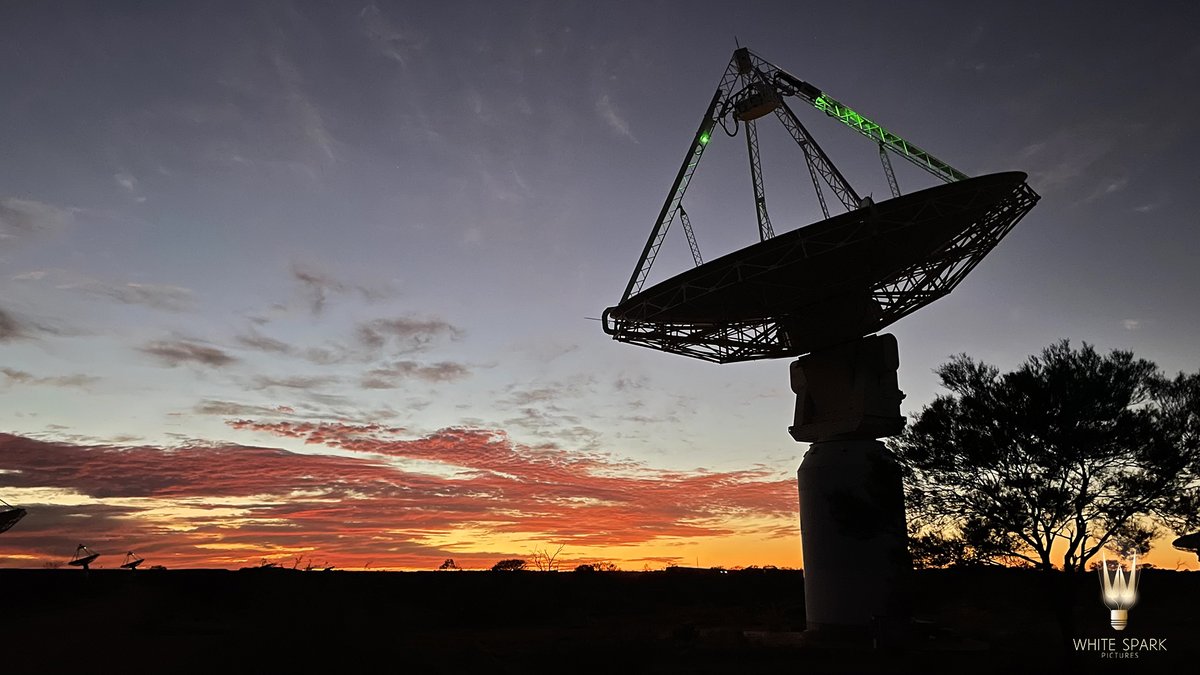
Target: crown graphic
(1119, 592)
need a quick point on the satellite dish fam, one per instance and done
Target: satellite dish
(83, 557)
(832, 281)
(821, 292)
(9, 515)
(132, 561)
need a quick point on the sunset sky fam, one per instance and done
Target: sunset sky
(315, 279)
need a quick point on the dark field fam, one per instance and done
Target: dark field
(984, 621)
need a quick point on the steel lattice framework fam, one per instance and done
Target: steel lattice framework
(765, 301)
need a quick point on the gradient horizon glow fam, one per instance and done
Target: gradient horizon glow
(289, 279)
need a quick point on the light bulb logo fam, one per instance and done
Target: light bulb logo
(1119, 591)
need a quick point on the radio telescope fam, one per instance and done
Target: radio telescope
(132, 560)
(83, 557)
(822, 293)
(9, 515)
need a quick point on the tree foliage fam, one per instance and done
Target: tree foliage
(509, 565)
(1073, 451)
(600, 566)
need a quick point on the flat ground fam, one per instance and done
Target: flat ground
(688, 621)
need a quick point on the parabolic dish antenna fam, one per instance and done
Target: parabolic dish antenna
(835, 280)
(820, 292)
(9, 515)
(83, 557)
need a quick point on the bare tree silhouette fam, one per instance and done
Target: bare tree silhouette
(544, 561)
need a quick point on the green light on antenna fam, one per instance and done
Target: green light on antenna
(704, 138)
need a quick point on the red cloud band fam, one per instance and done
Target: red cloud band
(346, 509)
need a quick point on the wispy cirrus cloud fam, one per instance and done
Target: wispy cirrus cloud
(629, 383)
(372, 341)
(263, 343)
(158, 296)
(10, 328)
(234, 409)
(608, 113)
(537, 408)
(405, 334)
(130, 184)
(544, 349)
(1083, 160)
(389, 37)
(1066, 159)
(177, 352)
(317, 285)
(305, 114)
(22, 218)
(295, 381)
(14, 376)
(396, 373)
(14, 326)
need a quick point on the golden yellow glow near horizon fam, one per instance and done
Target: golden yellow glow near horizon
(211, 527)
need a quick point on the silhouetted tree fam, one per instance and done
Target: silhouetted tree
(1178, 402)
(1072, 448)
(931, 547)
(601, 566)
(448, 564)
(509, 565)
(544, 561)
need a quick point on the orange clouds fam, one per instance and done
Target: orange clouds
(470, 494)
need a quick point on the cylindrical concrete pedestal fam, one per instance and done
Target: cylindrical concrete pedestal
(852, 525)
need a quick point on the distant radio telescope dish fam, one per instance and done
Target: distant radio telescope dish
(83, 557)
(132, 561)
(9, 515)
